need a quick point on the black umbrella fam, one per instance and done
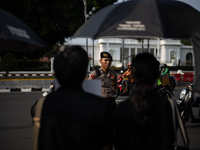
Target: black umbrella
(148, 19)
(15, 35)
(143, 19)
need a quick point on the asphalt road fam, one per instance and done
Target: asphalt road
(16, 123)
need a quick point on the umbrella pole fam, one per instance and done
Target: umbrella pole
(148, 46)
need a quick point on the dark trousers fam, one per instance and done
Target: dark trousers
(111, 109)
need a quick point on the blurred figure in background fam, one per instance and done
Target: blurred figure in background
(130, 78)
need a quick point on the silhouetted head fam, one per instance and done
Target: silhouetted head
(70, 66)
(145, 69)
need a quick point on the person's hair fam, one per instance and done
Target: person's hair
(145, 70)
(70, 66)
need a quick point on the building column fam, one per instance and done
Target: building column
(52, 60)
(135, 51)
(129, 59)
(107, 45)
(158, 48)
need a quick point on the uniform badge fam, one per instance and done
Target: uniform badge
(112, 76)
(105, 55)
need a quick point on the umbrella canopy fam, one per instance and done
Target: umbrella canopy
(143, 19)
(15, 35)
(148, 19)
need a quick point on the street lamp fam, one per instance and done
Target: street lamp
(85, 14)
(91, 13)
(87, 17)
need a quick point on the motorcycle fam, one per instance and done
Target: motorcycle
(185, 105)
(121, 86)
(45, 94)
(165, 91)
(173, 82)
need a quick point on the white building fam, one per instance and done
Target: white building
(170, 51)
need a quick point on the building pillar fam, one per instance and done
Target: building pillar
(107, 45)
(158, 50)
(129, 59)
(135, 51)
(52, 61)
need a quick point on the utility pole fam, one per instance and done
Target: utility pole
(85, 14)
(122, 69)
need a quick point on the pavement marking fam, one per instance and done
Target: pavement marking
(25, 90)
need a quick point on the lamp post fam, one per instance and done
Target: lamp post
(91, 13)
(87, 16)
(122, 69)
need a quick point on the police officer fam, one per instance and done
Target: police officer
(109, 80)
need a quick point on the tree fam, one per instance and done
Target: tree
(8, 63)
(186, 42)
(52, 20)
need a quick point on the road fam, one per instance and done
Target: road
(16, 123)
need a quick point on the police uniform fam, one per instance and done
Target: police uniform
(108, 84)
(109, 80)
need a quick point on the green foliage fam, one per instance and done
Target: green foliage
(52, 20)
(115, 68)
(52, 51)
(186, 42)
(8, 62)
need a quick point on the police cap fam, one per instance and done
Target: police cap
(106, 55)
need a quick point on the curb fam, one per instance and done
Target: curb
(23, 90)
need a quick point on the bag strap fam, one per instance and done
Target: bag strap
(97, 72)
(36, 120)
(175, 113)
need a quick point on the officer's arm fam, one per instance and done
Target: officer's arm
(92, 75)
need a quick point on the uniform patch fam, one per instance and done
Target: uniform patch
(112, 76)
(93, 77)
(105, 55)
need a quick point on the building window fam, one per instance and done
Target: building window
(112, 53)
(189, 59)
(126, 55)
(152, 51)
(172, 56)
(132, 53)
(139, 50)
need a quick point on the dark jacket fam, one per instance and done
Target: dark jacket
(74, 119)
(130, 136)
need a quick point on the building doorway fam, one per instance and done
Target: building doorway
(189, 61)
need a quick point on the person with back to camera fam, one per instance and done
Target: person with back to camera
(144, 120)
(130, 79)
(72, 118)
